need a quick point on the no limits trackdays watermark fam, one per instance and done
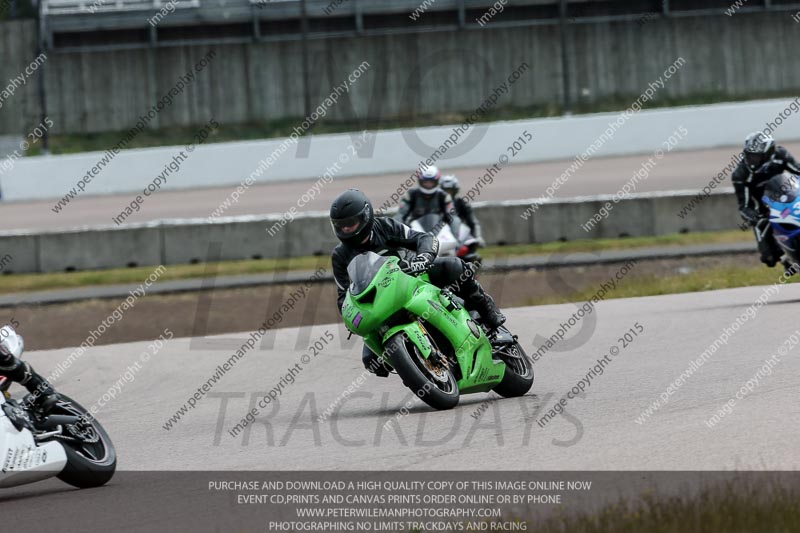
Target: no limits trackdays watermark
(199, 137)
(21, 79)
(297, 132)
(311, 193)
(390, 417)
(298, 295)
(129, 375)
(314, 350)
(107, 323)
(608, 134)
(641, 174)
(754, 382)
(347, 429)
(35, 135)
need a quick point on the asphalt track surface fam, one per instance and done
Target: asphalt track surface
(760, 433)
(685, 170)
(599, 431)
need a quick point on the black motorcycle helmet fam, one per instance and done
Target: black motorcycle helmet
(352, 217)
(758, 149)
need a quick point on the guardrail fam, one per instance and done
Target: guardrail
(74, 7)
(169, 242)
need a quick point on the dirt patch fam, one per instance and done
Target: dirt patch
(216, 312)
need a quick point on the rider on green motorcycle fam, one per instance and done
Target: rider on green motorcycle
(359, 230)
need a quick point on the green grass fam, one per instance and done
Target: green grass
(732, 508)
(701, 279)
(64, 280)
(595, 245)
(72, 143)
(89, 278)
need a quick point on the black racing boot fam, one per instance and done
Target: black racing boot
(44, 397)
(769, 259)
(769, 249)
(790, 268)
(485, 306)
(476, 298)
(41, 395)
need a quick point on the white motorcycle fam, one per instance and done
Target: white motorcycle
(67, 443)
(461, 244)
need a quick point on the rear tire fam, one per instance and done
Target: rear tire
(406, 359)
(518, 378)
(81, 471)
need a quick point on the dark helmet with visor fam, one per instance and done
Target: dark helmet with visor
(758, 149)
(352, 217)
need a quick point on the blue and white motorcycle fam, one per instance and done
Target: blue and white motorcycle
(782, 196)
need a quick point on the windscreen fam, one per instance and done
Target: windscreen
(362, 270)
(429, 222)
(782, 188)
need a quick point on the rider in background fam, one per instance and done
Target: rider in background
(761, 161)
(359, 230)
(426, 198)
(463, 210)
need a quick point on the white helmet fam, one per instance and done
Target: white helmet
(428, 179)
(11, 342)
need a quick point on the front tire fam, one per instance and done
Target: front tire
(92, 462)
(518, 378)
(434, 385)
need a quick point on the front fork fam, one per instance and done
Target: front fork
(413, 331)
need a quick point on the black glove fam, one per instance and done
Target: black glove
(421, 263)
(749, 215)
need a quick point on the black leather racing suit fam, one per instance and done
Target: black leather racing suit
(416, 204)
(467, 216)
(749, 187)
(387, 237)
(21, 372)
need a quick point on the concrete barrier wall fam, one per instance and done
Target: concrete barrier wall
(414, 74)
(20, 111)
(396, 150)
(505, 223)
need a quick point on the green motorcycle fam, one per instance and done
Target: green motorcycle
(425, 334)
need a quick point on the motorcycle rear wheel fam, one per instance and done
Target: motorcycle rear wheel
(518, 378)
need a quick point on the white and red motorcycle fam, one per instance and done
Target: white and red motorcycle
(67, 442)
(460, 244)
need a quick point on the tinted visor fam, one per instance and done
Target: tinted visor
(753, 160)
(428, 183)
(350, 225)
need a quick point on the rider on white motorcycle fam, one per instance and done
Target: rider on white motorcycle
(426, 198)
(15, 369)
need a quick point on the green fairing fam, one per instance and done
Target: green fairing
(396, 291)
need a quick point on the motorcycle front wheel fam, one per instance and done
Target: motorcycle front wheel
(433, 383)
(91, 457)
